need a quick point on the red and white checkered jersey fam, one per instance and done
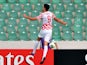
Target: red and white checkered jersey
(46, 18)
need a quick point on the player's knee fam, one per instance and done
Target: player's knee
(45, 43)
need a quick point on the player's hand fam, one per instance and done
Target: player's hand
(65, 23)
(25, 16)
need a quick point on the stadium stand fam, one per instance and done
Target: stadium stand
(14, 27)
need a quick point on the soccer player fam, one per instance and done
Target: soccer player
(46, 31)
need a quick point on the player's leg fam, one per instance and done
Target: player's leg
(46, 41)
(35, 46)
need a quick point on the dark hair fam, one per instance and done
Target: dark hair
(46, 6)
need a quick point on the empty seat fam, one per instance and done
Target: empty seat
(3, 36)
(17, 7)
(46, 1)
(67, 35)
(38, 7)
(60, 7)
(23, 36)
(3, 14)
(28, 7)
(81, 7)
(23, 12)
(70, 7)
(2, 1)
(69, 21)
(78, 1)
(67, 1)
(58, 14)
(68, 14)
(23, 22)
(34, 1)
(12, 21)
(34, 13)
(12, 36)
(12, 1)
(78, 36)
(56, 35)
(2, 22)
(56, 1)
(21, 28)
(23, 1)
(10, 28)
(13, 14)
(33, 35)
(6, 7)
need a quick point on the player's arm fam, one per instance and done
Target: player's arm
(60, 21)
(29, 17)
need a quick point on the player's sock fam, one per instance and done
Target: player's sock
(44, 54)
(35, 47)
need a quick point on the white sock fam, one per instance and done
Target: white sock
(45, 51)
(35, 47)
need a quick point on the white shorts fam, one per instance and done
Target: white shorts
(46, 34)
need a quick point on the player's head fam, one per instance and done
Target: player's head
(46, 7)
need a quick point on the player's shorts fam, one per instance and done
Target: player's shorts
(46, 35)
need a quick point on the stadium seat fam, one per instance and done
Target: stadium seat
(17, 7)
(12, 21)
(56, 1)
(70, 7)
(33, 25)
(2, 22)
(21, 28)
(78, 36)
(55, 24)
(13, 14)
(58, 14)
(33, 35)
(38, 7)
(60, 7)
(3, 14)
(78, 28)
(86, 36)
(34, 13)
(67, 1)
(78, 21)
(23, 12)
(10, 28)
(34, 1)
(12, 36)
(23, 36)
(51, 7)
(2, 1)
(46, 1)
(66, 28)
(78, 1)
(28, 7)
(81, 7)
(56, 34)
(6, 7)
(12, 1)
(69, 21)
(3, 36)
(68, 14)
(67, 35)
(23, 1)
(23, 22)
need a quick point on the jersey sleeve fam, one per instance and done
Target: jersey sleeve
(53, 16)
(39, 17)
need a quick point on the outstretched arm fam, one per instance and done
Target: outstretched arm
(60, 21)
(29, 17)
